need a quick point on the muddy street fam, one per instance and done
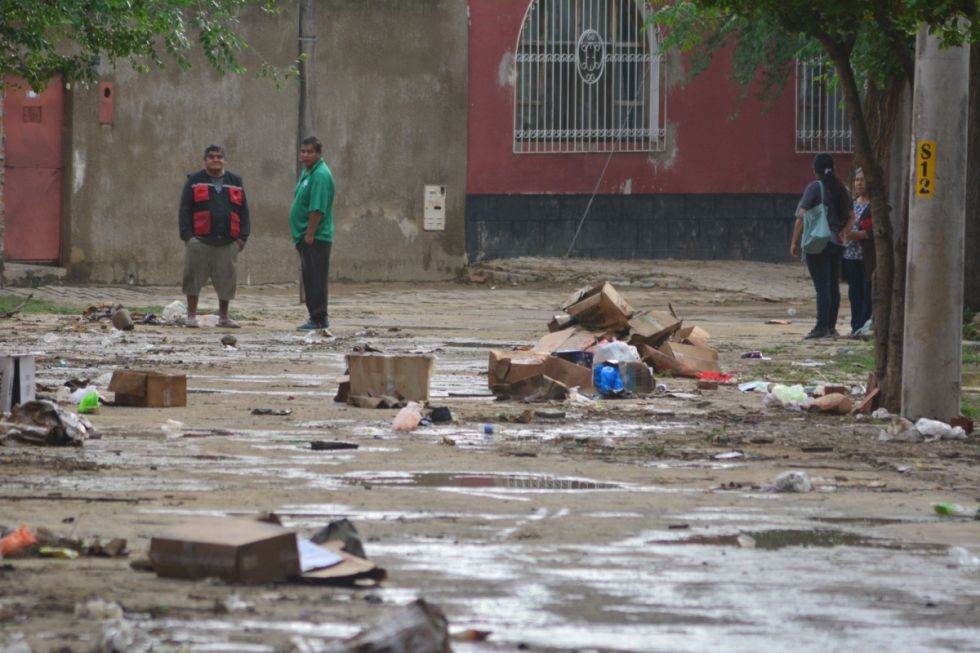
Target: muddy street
(643, 524)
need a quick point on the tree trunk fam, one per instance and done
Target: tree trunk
(971, 271)
(887, 356)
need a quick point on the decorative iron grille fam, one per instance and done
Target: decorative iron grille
(589, 79)
(821, 120)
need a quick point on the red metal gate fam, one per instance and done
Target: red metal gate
(33, 172)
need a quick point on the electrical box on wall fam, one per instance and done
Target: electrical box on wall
(435, 208)
(107, 102)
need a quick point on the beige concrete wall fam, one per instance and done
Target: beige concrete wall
(389, 91)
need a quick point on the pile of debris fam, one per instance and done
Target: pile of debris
(600, 344)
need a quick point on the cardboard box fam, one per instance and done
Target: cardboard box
(600, 307)
(560, 322)
(16, 380)
(236, 550)
(692, 360)
(652, 328)
(404, 376)
(573, 338)
(148, 389)
(692, 335)
(351, 569)
(519, 374)
(513, 366)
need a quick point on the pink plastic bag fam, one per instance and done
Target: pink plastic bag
(408, 418)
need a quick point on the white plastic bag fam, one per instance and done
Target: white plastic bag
(616, 351)
(408, 418)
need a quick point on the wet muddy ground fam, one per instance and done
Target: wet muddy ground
(637, 525)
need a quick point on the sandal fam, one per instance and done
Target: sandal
(190, 323)
(228, 323)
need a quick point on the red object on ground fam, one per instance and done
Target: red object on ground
(715, 376)
(17, 540)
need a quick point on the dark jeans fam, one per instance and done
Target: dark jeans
(825, 273)
(315, 262)
(858, 292)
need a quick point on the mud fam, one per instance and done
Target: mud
(635, 525)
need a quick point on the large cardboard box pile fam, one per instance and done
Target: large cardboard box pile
(593, 315)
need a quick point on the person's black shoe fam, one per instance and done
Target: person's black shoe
(816, 333)
(311, 325)
(833, 334)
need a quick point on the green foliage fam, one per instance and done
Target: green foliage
(42, 38)
(11, 302)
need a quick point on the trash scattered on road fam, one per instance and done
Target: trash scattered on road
(17, 380)
(121, 319)
(754, 386)
(419, 627)
(880, 413)
(756, 355)
(229, 340)
(950, 509)
(17, 540)
(793, 481)
(408, 418)
(272, 411)
(832, 403)
(44, 423)
(440, 415)
(89, 403)
(924, 430)
(331, 445)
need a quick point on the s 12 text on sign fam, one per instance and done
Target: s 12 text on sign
(925, 169)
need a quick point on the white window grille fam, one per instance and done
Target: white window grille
(821, 120)
(589, 79)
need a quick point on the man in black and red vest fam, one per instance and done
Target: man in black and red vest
(214, 226)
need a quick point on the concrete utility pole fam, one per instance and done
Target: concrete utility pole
(932, 346)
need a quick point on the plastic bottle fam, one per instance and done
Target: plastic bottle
(17, 540)
(950, 509)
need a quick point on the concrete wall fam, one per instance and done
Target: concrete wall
(390, 107)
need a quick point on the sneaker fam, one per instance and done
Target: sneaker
(310, 325)
(815, 334)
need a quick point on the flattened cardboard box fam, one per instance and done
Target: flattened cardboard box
(692, 335)
(148, 389)
(17, 384)
(573, 338)
(600, 307)
(652, 327)
(512, 367)
(377, 375)
(236, 550)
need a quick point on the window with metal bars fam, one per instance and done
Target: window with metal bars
(821, 120)
(589, 79)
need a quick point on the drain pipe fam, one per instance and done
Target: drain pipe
(306, 43)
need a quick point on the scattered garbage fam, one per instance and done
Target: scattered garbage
(924, 430)
(20, 538)
(419, 627)
(756, 355)
(331, 445)
(17, 380)
(408, 418)
(175, 311)
(440, 415)
(89, 402)
(951, 510)
(121, 319)
(754, 386)
(172, 428)
(344, 533)
(229, 340)
(794, 481)
(272, 411)
(607, 380)
(61, 552)
(43, 422)
(880, 413)
(834, 402)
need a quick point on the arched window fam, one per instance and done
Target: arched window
(589, 79)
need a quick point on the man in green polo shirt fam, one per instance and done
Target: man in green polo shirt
(311, 223)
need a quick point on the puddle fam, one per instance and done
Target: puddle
(481, 480)
(862, 521)
(774, 540)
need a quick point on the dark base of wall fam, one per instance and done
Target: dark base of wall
(749, 227)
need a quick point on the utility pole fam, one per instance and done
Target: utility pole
(932, 349)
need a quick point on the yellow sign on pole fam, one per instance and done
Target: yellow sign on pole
(925, 169)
